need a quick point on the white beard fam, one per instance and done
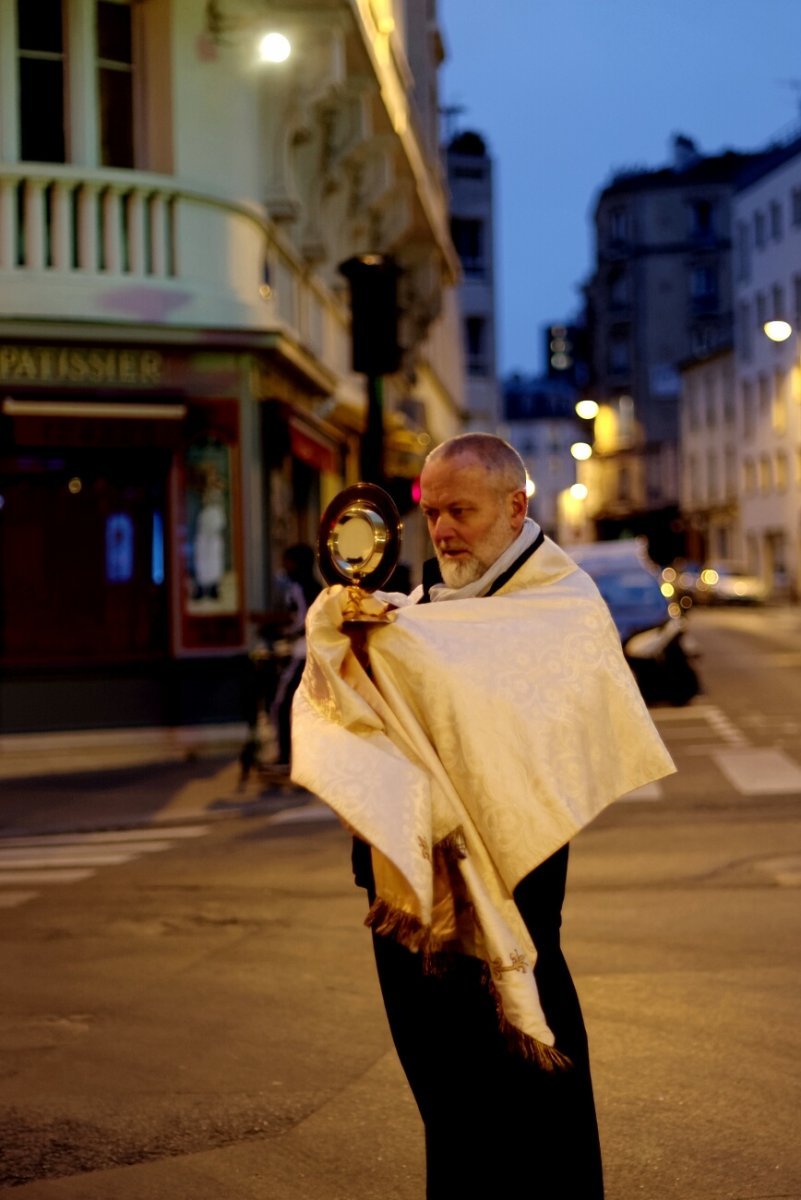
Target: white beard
(458, 574)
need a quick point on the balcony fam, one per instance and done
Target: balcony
(133, 248)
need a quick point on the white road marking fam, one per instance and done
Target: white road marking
(154, 833)
(55, 875)
(44, 859)
(302, 816)
(649, 791)
(69, 857)
(14, 899)
(756, 771)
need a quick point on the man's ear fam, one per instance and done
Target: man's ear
(518, 508)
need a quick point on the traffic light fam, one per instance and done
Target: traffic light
(373, 280)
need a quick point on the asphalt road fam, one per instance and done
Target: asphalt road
(202, 1021)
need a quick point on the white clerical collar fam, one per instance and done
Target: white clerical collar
(480, 587)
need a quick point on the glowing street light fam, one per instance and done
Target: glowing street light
(531, 487)
(587, 409)
(581, 451)
(777, 331)
(579, 491)
(274, 48)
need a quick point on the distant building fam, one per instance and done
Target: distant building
(661, 292)
(766, 216)
(540, 422)
(709, 475)
(469, 169)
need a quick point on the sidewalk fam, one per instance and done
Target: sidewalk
(54, 783)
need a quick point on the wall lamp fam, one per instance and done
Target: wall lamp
(273, 47)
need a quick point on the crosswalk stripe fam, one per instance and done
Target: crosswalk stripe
(308, 814)
(74, 858)
(154, 833)
(54, 875)
(14, 899)
(39, 860)
(759, 771)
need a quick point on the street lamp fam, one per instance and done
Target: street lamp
(777, 331)
(587, 409)
(581, 451)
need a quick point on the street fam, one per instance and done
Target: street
(191, 1010)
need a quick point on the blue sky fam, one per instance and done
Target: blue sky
(565, 91)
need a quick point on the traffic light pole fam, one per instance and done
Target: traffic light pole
(371, 463)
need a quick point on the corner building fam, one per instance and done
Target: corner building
(177, 403)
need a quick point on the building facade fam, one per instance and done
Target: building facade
(661, 293)
(469, 169)
(177, 400)
(540, 422)
(767, 383)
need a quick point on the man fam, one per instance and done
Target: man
(498, 718)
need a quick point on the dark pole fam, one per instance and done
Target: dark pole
(373, 282)
(371, 461)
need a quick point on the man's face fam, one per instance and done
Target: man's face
(471, 521)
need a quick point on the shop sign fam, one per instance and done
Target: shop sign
(63, 365)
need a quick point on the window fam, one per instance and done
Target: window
(795, 205)
(797, 299)
(749, 477)
(782, 471)
(763, 385)
(798, 466)
(619, 289)
(779, 413)
(749, 416)
(730, 473)
(744, 332)
(475, 338)
(115, 87)
(691, 404)
(704, 283)
(702, 224)
(742, 250)
(42, 131)
(765, 474)
(711, 477)
(761, 310)
(618, 355)
(759, 230)
(777, 297)
(710, 403)
(468, 238)
(619, 225)
(776, 221)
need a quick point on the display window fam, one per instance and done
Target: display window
(209, 587)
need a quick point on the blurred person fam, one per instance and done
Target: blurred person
(492, 717)
(301, 589)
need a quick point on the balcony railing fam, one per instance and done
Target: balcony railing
(135, 248)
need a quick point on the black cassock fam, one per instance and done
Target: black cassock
(492, 1119)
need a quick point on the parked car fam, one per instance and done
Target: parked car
(652, 627)
(729, 583)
